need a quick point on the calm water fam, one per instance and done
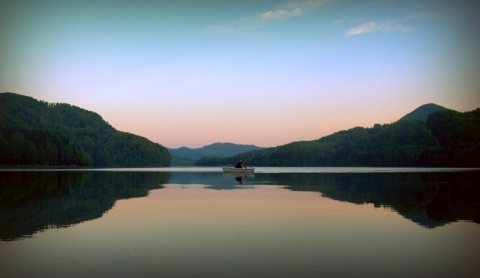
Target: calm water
(280, 222)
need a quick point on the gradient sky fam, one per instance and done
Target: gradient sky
(191, 73)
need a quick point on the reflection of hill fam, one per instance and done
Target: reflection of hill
(429, 199)
(32, 201)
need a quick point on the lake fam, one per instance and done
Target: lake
(279, 222)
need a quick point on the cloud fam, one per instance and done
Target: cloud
(372, 26)
(392, 25)
(291, 9)
(280, 14)
(287, 10)
(363, 29)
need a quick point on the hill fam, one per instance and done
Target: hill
(186, 156)
(34, 132)
(421, 113)
(447, 138)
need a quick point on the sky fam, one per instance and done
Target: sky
(192, 73)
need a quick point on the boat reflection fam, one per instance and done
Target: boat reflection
(227, 184)
(239, 177)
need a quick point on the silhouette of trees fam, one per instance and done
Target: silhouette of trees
(448, 138)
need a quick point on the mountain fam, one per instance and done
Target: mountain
(421, 113)
(34, 132)
(446, 139)
(186, 156)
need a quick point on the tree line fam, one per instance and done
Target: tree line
(447, 139)
(39, 133)
(39, 148)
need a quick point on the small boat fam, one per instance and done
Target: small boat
(231, 170)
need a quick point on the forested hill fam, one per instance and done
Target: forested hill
(186, 156)
(421, 113)
(446, 139)
(34, 132)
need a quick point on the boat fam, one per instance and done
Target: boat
(233, 170)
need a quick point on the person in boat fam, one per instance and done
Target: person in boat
(240, 165)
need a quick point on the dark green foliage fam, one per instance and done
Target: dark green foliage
(448, 139)
(88, 139)
(182, 161)
(41, 148)
(459, 137)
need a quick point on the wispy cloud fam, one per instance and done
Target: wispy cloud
(392, 25)
(280, 14)
(285, 11)
(291, 9)
(372, 26)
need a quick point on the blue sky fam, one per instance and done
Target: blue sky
(191, 73)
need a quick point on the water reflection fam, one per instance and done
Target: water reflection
(239, 177)
(33, 201)
(214, 180)
(428, 199)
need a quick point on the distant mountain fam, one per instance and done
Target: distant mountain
(446, 139)
(187, 156)
(421, 113)
(34, 132)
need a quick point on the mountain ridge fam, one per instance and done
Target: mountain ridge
(422, 112)
(34, 132)
(184, 156)
(447, 138)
